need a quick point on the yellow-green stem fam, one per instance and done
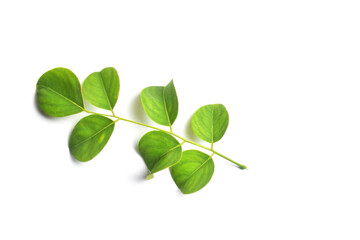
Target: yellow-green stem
(171, 133)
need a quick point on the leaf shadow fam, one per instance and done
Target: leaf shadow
(179, 193)
(190, 132)
(74, 160)
(137, 110)
(141, 177)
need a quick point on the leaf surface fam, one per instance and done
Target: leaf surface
(159, 150)
(161, 103)
(102, 88)
(210, 122)
(193, 172)
(58, 93)
(90, 136)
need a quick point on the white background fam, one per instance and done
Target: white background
(287, 71)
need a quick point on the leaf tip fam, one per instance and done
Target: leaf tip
(171, 83)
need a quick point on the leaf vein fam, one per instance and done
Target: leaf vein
(87, 139)
(167, 114)
(164, 154)
(171, 149)
(52, 90)
(182, 185)
(212, 126)
(106, 94)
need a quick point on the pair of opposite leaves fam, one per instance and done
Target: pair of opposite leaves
(59, 94)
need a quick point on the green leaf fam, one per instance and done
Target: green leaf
(210, 122)
(161, 103)
(193, 172)
(58, 93)
(90, 136)
(159, 150)
(102, 88)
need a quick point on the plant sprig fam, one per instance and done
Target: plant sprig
(60, 94)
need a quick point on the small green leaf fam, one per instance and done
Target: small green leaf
(159, 150)
(58, 93)
(102, 88)
(210, 122)
(90, 136)
(193, 172)
(161, 103)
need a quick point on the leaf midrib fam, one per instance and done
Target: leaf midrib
(171, 149)
(212, 124)
(52, 90)
(166, 111)
(182, 185)
(103, 129)
(106, 94)
(164, 154)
